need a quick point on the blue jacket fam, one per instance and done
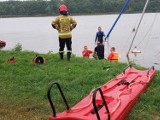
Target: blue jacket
(99, 36)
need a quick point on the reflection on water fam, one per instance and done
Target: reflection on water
(36, 34)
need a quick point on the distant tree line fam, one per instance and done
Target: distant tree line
(76, 7)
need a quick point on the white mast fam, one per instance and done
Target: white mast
(144, 9)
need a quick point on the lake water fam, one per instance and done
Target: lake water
(36, 34)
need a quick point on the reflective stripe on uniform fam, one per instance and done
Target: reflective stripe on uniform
(64, 34)
(61, 51)
(69, 51)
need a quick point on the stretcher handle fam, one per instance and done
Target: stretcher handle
(126, 68)
(104, 102)
(50, 100)
(152, 68)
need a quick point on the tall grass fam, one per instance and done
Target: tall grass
(23, 85)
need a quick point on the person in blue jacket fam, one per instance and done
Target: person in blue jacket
(99, 36)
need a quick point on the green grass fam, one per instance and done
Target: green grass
(23, 85)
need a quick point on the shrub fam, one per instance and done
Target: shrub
(18, 47)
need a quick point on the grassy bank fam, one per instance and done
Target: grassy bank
(23, 86)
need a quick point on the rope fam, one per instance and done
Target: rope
(128, 90)
(158, 53)
(150, 28)
(91, 94)
(145, 48)
(118, 98)
(144, 38)
(77, 108)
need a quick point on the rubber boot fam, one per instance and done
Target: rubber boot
(68, 56)
(61, 56)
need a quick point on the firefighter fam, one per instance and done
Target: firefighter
(64, 24)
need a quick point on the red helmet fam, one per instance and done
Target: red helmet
(62, 8)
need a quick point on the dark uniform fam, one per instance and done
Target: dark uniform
(99, 50)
